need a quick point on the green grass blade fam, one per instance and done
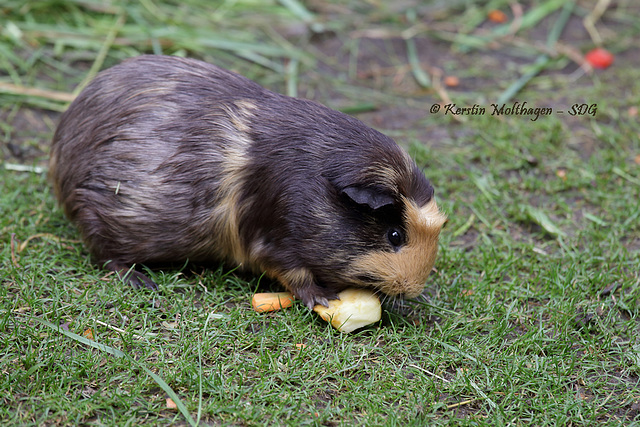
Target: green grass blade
(625, 175)
(418, 73)
(561, 22)
(529, 20)
(540, 64)
(542, 219)
(303, 13)
(115, 352)
(542, 61)
(292, 77)
(102, 54)
(81, 339)
(533, 17)
(167, 389)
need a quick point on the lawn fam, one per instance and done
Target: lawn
(532, 316)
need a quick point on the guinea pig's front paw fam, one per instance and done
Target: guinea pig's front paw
(312, 294)
(139, 280)
(132, 277)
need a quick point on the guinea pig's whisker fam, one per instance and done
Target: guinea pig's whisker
(384, 298)
(396, 303)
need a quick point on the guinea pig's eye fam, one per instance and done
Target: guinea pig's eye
(395, 236)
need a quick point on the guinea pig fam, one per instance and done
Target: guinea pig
(166, 159)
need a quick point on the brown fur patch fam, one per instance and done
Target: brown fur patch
(295, 276)
(301, 282)
(405, 272)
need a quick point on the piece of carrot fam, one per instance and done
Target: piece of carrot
(88, 333)
(497, 16)
(599, 58)
(451, 81)
(271, 301)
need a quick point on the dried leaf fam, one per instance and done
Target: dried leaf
(171, 404)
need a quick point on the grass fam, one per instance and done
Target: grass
(533, 314)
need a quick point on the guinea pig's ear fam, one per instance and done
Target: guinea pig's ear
(370, 196)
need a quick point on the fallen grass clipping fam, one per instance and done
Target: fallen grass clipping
(117, 353)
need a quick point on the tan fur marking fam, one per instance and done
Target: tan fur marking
(167, 88)
(53, 174)
(389, 176)
(228, 210)
(405, 272)
(224, 215)
(244, 112)
(386, 176)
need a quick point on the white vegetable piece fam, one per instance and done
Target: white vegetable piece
(355, 309)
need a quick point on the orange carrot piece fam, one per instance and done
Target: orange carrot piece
(271, 301)
(497, 16)
(451, 81)
(88, 333)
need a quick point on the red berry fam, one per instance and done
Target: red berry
(599, 58)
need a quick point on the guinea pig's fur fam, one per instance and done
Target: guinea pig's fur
(165, 159)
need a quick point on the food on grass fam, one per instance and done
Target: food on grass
(497, 16)
(271, 301)
(355, 309)
(599, 58)
(451, 81)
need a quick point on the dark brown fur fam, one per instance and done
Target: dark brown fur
(167, 159)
